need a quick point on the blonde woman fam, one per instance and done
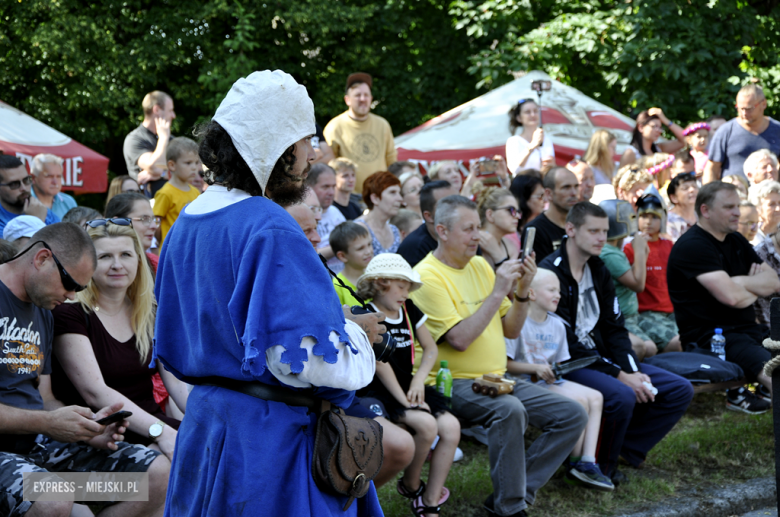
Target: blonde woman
(600, 155)
(499, 213)
(630, 182)
(103, 342)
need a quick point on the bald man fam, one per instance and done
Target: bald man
(304, 216)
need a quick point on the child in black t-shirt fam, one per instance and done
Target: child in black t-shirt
(388, 280)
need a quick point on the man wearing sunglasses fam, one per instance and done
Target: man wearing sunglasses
(37, 432)
(15, 196)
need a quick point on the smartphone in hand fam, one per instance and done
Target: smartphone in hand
(528, 242)
(114, 417)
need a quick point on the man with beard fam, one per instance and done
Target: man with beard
(561, 189)
(358, 134)
(263, 318)
(15, 197)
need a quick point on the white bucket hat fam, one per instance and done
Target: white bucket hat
(264, 114)
(390, 265)
(22, 226)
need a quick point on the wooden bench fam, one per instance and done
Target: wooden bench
(717, 386)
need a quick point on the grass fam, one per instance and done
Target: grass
(710, 446)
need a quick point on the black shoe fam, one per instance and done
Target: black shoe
(488, 506)
(618, 478)
(764, 393)
(745, 401)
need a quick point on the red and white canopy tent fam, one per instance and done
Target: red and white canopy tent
(481, 126)
(84, 170)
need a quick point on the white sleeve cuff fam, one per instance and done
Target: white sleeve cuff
(351, 371)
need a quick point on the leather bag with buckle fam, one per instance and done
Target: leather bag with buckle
(347, 454)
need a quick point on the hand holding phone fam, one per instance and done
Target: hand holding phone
(114, 417)
(528, 242)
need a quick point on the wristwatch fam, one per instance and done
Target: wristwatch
(156, 430)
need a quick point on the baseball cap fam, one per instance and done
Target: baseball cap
(359, 77)
(22, 226)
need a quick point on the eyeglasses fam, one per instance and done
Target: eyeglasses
(512, 210)
(147, 220)
(749, 108)
(316, 209)
(751, 224)
(537, 196)
(13, 185)
(68, 283)
(119, 221)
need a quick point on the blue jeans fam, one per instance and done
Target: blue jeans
(631, 429)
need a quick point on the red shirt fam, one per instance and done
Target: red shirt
(655, 297)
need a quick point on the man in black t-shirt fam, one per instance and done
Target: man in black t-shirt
(145, 146)
(37, 433)
(422, 241)
(714, 276)
(562, 190)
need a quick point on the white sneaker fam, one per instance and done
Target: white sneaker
(458, 454)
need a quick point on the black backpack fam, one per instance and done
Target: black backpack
(698, 366)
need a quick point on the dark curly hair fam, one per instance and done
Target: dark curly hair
(227, 167)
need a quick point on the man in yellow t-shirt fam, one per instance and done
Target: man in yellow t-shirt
(358, 134)
(469, 315)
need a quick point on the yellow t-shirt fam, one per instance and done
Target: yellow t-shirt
(168, 204)
(450, 295)
(368, 143)
(345, 297)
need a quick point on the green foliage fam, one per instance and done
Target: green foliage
(83, 67)
(686, 56)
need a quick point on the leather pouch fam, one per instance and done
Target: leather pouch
(347, 454)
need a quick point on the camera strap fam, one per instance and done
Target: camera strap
(342, 284)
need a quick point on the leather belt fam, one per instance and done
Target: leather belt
(268, 392)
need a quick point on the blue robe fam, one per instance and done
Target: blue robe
(230, 284)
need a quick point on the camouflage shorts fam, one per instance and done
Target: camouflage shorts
(658, 327)
(53, 456)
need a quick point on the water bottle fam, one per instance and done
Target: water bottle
(444, 383)
(718, 344)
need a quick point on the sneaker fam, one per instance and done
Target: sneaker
(590, 476)
(618, 478)
(458, 455)
(743, 400)
(764, 393)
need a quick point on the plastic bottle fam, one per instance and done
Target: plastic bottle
(444, 382)
(718, 344)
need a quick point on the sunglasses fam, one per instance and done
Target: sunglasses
(27, 181)
(68, 283)
(119, 221)
(512, 210)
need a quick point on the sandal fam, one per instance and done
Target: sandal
(419, 508)
(408, 493)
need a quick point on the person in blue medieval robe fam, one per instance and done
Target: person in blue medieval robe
(243, 295)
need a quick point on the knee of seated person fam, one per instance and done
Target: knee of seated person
(623, 400)
(448, 427)
(398, 446)
(650, 349)
(426, 426)
(159, 472)
(50, 508)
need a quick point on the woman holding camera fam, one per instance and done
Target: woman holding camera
(529, 149)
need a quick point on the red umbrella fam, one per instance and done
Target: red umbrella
(84, 170)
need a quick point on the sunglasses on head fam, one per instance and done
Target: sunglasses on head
(119, 221)
(68, 283)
